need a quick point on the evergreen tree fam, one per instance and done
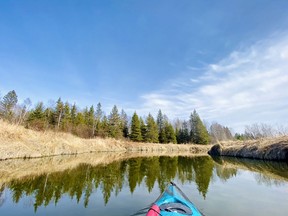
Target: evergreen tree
(152, 130)
(73, 114)
(199, 133)
(104, 127)
(80, 120)
(7, 104)
(135, 129)
(161, 127)
(99, 116)
(143, 129)
(86, 116)
(115, 130)
(170, 133)
(91, 120)
(59, 112)
(36, 117)
(124, 124)
(37, 113)
(49, 117)
(66, 121)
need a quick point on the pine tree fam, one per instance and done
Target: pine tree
(105, 127)
(143, 129)
(73, 114)
(80, 120)
(170, 133)
(183, 133)
(36, 117)
(59, 112)
(135, 129)
(152, 130)
(161, 127)
(49, 118)
(124, 124)
(99, 116)
(91, 120)
(199, 133)
(114, 119)
(66, 121)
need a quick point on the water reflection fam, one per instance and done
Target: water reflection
(82, 181)
(265, 172)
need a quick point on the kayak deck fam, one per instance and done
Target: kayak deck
(173, 202)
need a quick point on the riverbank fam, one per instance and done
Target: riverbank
(264, 149)
(19, 142)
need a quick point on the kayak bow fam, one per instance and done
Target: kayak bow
(173, 202)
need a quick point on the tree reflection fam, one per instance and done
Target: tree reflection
(203, 167)
(80, 182)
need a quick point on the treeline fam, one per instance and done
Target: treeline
(92, 122)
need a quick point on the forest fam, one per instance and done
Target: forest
(92, 122)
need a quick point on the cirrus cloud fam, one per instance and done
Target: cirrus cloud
(249, 85)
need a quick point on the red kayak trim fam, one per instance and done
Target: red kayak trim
(154, 211)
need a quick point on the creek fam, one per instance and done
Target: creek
(220, 186)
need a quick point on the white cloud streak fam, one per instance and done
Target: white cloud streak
(248, 86)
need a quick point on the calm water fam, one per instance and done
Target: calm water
(217, 187)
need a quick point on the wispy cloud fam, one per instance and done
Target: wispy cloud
(249, 85)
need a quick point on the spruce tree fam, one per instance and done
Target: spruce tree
(199, 133)
(104, 127)
(161, 127)
(114, 119)
(135, 129)
(183, 133)
(99, 117)
(36, 117)
(143, 129)
(73, 114)
(170, 133)
(124, 124)
(59, 113)
(66, 122)
(152, 130)
(91, 121)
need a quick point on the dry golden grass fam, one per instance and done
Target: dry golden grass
(18, 142)
(275, 148)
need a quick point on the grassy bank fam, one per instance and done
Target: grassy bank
(18, 142)
(263, 149)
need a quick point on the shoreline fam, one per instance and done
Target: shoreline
(273, 149)
(16, 142)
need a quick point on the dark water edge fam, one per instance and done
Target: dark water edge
(223, 186)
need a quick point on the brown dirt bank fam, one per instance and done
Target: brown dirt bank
(18, 142)
(263, 149)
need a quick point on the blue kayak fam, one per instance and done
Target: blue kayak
(173, 202)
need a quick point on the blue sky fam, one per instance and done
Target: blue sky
(226, 59)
